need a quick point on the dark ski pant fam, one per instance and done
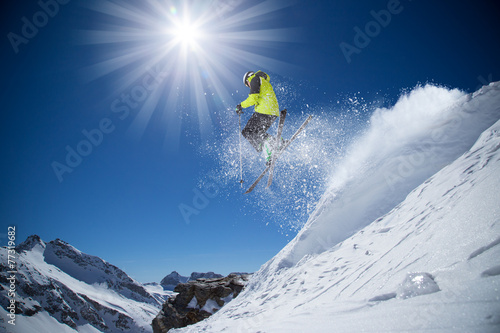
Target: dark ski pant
(256, 129)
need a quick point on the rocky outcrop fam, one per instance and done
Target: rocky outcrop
(197, 300)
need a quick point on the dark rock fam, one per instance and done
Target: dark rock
(197, 300)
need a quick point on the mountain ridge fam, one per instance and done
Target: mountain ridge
(59, 288)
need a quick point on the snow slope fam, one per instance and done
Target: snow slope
(407, 236)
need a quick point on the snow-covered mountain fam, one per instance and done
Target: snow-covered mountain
(405, 238)
(61, 289)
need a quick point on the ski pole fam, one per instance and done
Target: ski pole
(241, 156)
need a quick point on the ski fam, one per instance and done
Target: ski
(251, 188)
(276, 145)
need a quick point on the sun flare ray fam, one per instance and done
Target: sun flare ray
(200, 46)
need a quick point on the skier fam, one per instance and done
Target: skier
(266, 111)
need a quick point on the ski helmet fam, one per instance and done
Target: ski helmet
(246, 76)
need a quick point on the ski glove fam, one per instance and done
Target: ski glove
(239, 110)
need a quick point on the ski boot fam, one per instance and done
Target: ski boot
(268, 149)
(269, 146)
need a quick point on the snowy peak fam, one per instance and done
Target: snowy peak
(63, 289)
(73, 262)
(30, 243)
(92, 270)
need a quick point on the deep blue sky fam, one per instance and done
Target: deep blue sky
(121, 202)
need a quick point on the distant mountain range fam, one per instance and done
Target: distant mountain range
(173, 279)
(61, 289)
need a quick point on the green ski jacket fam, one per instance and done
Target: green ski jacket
(261, 95)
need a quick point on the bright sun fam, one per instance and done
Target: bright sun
(198, 46)
(186, 33)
